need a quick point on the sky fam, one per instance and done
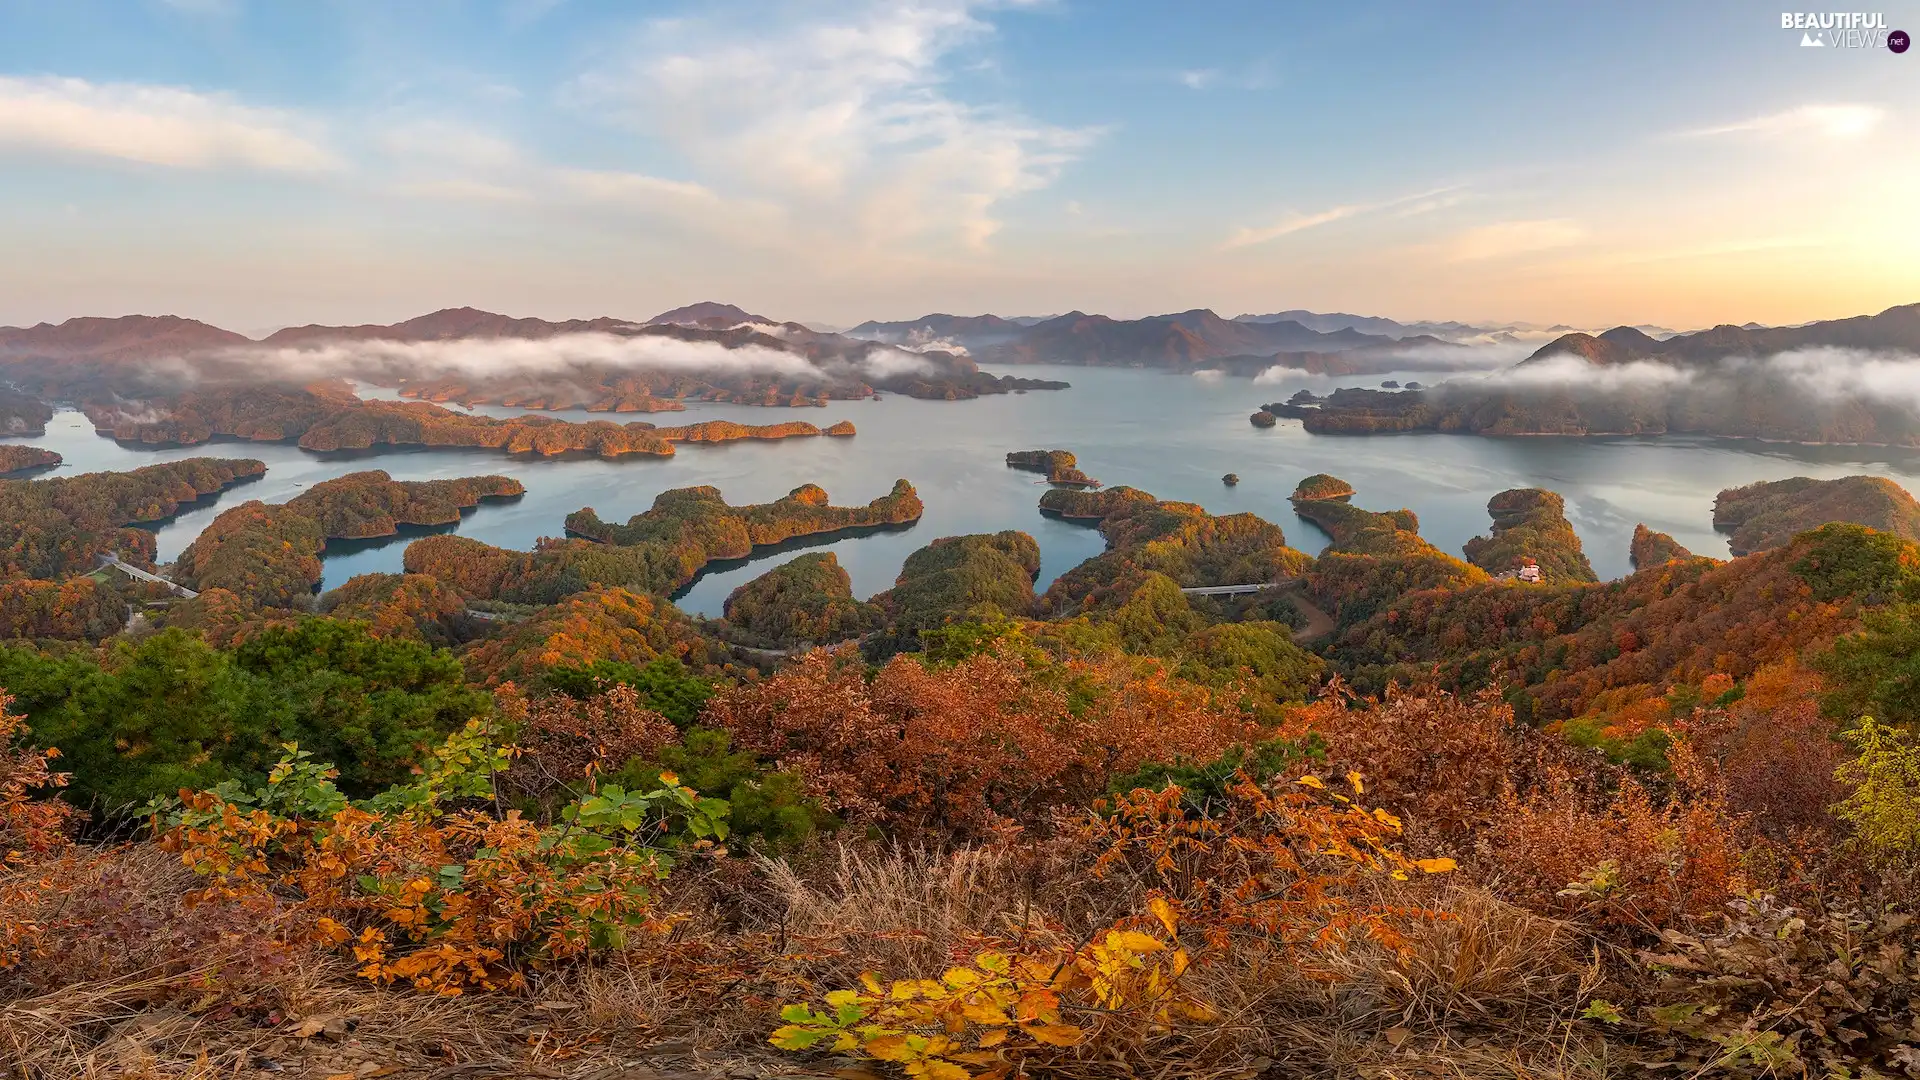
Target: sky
(257, 163)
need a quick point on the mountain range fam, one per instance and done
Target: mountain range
(1838, 381)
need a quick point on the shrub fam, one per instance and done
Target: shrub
(423, 892)
(665, 684)
(1883, 808)
(144, 719)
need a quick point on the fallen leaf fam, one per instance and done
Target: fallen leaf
(311, 1026)
(1397, 1035)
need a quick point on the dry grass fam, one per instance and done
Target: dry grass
(1485, 993)
(906, 911)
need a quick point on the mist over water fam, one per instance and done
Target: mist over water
(1169, 434)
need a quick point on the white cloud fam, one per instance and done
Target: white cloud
(1406, 205)
(446, 143)
(845, 118)
(553, 357)
(1837, 122)
(1199, 80)
(461, 189)
(155, 125)
(1507, 238)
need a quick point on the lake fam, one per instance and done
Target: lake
(1173, 435)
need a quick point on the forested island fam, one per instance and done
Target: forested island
(327, 417)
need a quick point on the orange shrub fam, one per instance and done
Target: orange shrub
(1626, 858)
(955, 750)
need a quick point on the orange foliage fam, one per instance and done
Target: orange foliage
(954, 751)
(564, 741)
(1443, 762)
(1625, 858)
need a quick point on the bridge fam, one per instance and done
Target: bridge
(1241, 590)
(138, 574)
(1319, 623)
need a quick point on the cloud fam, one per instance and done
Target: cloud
(1817, 377)
(1565, 371)
(1297, 223)
(460, 189)
(1508, 238)
(1406, 205)
(845, 118)
(447, 143)
(636, 189)
(1834, 374)
(154, 125)
(1199, 80)
(1837, 122)
(553, 358)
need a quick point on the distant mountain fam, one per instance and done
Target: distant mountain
(969, 332)
(114, 362)
(448, 324)
(707, 313)
(1184, 340)
(1328, 323)
(1895, 329)
(1705, 395)
(128, 338)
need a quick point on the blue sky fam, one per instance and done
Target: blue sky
(260, 163)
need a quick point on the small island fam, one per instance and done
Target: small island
(1767, 515)
(1322, 486)
(1532, 540)
(1060, 467)
(15, 458)
(1230, 479)
(1264, 419)
(1655, 549)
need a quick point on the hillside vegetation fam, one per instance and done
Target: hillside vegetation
(515, 814)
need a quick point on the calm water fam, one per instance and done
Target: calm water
(1172, 435)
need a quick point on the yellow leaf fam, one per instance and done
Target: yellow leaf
(960, 976)
(1353, 781)
(1055, 1034)
(1164, 912)
(872, 984)
(986, 1013)
(939, 1070)
(994, 1037)
(1312, 782)
(890, 1048)
(1436, 866)
(1133, 941)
